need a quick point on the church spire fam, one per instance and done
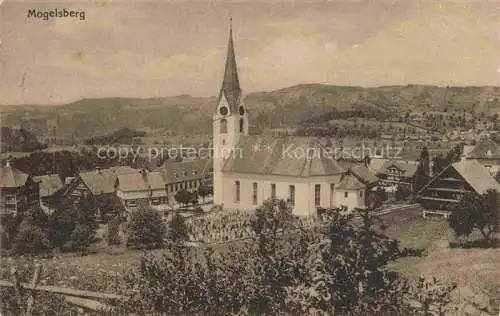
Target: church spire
(231, 85)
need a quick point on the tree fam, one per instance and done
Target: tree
(73, 225)
(31, 238)
(145, 229)
(401, 193)
(61, 225)
(204, 191)
(10, 225)
(177, 230)
(113, 232)
(377, 198)
(183, 197)
(477, 212)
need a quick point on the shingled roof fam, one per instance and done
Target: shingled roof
(12, 178)
(475, 174)
(102, 181)
(230, 88)
(187, 170)
(350, 182)
(140, 181)
(408, 169)
(363, 174)
(485, 149)
(287, 156)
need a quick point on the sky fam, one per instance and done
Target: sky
(163, 48)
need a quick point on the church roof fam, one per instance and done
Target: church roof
(287, 156)
(230, 88)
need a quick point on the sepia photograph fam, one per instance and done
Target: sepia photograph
(239, 157)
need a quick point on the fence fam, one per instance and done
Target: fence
(82, 299)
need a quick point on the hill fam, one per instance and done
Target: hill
(185, 114)
(18, 140)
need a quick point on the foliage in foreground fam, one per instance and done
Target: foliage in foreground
(477, 212)
(145, 229)
(338, 269)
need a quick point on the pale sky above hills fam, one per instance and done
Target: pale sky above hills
(160, 48)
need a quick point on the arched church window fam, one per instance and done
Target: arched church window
(223, 126)
(242, 125)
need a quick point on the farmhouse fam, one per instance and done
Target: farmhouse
(447, 188)
(487, 153)
(394, 173)
(250, 169)
(142, 187)
(186, 175)
(19, 192)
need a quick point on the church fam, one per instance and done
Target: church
(249, 169)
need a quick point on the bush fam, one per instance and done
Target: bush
(337, 270)
(31, 239)
(177, 229)
(10, 225)
(145, 229)
(113, 232)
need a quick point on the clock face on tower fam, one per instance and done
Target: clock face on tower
(242, 110)
(223, 110)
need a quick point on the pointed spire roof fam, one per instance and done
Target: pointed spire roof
(231, 84)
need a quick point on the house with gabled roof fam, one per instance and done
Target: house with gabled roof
(19, 192)
(487, 153)
(394, 174)
(248, 169)
(187, 175)
(447, 188)
(144, 187)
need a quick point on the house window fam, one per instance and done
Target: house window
(237, 193)
(346, 194)
(254, 193)
(223, 126)
(317, 194)
(242, 125)
(360, 193)
(155, 202)
(291, 194)
(273, 190)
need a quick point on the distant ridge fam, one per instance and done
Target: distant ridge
(283, 107)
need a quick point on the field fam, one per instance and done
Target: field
(475, 270)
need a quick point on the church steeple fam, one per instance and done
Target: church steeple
(230, 88)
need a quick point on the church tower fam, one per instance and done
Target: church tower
(230, 120)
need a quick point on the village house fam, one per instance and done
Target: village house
(487, 153)
(249, 169)
(447, 188)
(142, 188)
(186, 175)
(394, 174)
(19, 192)
(97, 185)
